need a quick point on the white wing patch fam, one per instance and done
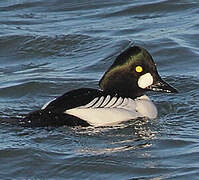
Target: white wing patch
(125, 102)
(106, 101)
(111, 102)
(91, 103)
(45, 105)
(103, 111)
(99, 102)
(118, 102)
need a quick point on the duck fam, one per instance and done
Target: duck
(121, 96)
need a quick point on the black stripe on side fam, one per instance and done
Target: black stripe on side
(108, 101)
(74, 98)
(117, 100)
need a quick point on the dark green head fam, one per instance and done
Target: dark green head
(133, 73)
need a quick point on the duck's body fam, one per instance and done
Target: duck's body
(121, 98)
(84, 107)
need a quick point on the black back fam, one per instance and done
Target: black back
(53, 114)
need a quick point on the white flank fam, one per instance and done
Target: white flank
(145, 80)
(115, 111)
(103, 116)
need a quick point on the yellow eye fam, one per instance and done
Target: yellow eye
(139, 69)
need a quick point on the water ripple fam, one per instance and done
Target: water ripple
(50, 47)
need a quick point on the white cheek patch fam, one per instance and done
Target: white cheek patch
(145, 80)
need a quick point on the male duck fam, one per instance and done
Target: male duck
(121, 98)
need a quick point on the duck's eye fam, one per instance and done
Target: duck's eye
(139, 69)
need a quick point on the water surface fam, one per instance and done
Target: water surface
(50, 47)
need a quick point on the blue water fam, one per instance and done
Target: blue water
(50, 47)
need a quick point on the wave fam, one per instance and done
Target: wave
(44, 46)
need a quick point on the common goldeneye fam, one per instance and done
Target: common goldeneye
(121, 96)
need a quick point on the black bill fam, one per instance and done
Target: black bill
(161, 86)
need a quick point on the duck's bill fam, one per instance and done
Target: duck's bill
(162, 86)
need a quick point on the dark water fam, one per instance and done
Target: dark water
(50, 47)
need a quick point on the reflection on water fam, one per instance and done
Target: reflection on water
(132, 135)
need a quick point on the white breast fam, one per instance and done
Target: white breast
(104, 111)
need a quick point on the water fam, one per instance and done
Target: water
(50, 47)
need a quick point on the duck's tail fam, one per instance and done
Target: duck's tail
(45, 118)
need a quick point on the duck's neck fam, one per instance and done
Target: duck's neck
(124, 92)
(122, 85)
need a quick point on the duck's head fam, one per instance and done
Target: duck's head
(133, 73)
